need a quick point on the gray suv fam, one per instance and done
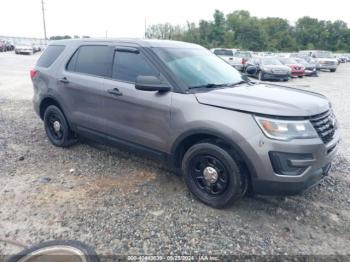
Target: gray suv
(179, 102)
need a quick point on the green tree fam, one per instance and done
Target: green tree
(248, 31)
(218, 27)
(241, 30)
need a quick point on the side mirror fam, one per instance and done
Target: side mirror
(251, 70)
(151, 83)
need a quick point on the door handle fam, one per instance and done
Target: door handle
(114, 92)
(64, 80)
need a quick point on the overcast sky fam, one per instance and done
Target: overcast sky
(127, 18)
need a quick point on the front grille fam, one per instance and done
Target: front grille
(329, 63)
(280, 72)
(325, 125)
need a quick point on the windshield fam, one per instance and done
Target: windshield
(300, 61)
(243, 54)
(198, 67)
(309, 59)
(290, 61)
(287, 61)
(270, 61)
(223, 52)
(323, 54)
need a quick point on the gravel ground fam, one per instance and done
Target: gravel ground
(121, 203)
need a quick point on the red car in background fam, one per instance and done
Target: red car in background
(298, 70)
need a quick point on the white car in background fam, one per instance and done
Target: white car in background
(324, 59)
(228, 55)
(23, 48)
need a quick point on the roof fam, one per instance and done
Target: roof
(138, 41)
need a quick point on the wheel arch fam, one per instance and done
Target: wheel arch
(48, 101)
(188, 139)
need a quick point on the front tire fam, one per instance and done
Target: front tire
(57, 128)
(261, 76)
(333, 70)
(212, 175)
(57, 250)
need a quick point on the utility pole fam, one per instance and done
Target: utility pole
(43, 10)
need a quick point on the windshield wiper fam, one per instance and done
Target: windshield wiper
(238, 83)
(211, 85)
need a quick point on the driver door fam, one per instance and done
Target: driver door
(135, 116)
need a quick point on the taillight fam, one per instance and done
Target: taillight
(243, 61)
(33, 73)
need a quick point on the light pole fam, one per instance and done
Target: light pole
(43, 10)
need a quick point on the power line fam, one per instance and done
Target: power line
(43, 10)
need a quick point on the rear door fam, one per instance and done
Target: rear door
(81, 85)
(139, 117)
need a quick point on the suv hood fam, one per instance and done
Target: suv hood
(266, 99)
(326, 59)
(276, 68)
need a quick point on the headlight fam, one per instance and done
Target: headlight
(286, 129)
(267, 70)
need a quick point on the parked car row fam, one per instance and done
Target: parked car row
(27, 48)
(20, 47)
(282, 66)
(343, 58)
(6, 46)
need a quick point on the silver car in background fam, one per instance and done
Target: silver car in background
(24, 48)
(324, 59)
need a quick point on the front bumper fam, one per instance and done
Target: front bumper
(326, 66)
(310, 71)
(272, 76)
(298, 73)
(24, 51)
(266, 181)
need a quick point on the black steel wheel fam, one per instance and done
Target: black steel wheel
(212, 175)
(57, 128)
(209, 174)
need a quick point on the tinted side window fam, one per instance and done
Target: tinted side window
(50, 55)
(127, 66)
(93, 60)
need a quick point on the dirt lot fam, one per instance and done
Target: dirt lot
(120, 203)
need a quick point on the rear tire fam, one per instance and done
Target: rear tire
(212, 175)
(333, 70)
(57, 128)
